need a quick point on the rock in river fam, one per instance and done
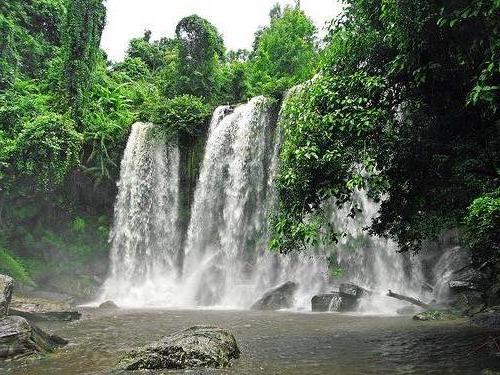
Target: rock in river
(349, 289)
(430, 315)
(199, 346)
(334, 301)
(108, 305)
(281, 297)
(20, 338)
(6, 287)
(42, 309)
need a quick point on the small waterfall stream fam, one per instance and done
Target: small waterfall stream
(226, 262)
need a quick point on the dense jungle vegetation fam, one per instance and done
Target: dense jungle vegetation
(400, 98)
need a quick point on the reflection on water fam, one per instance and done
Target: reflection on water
(275, 343)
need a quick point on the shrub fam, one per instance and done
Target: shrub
(46, 149)
(186, 114)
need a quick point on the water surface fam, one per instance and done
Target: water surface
(275, 343)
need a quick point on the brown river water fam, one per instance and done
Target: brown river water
(274, 343)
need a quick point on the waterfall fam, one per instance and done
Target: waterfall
(372, 262)
(225, 257)
(145, 238)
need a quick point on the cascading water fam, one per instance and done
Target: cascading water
(373, 262)
(226, 261)
(145, 239)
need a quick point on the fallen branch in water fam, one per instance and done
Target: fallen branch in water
(411, 300)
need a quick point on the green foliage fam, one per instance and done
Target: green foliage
(482, 225)
(14, 267)
(184, 114)
(396, 110)
(79, 224)
(331, 126)
(283, 55)
(46, 149)
(82, 31)
(200, 49)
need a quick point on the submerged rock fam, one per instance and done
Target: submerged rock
(334, 301)
(281, 297)
(6, 288)
(108, 305)
(20, 338)
(199, 346)
(435, 315)
(42, 309)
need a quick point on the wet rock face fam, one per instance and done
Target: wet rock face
(468, 279)
(20, 338)
(348, 289)
(346, 299)
(199, 346)
(281, 297)
(334, 301)
(6, 288)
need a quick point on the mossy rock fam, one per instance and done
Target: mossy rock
(435, 315)
(199, 346)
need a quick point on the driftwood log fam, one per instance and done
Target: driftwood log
(411, 300)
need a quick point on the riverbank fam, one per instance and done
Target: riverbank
(274, 343)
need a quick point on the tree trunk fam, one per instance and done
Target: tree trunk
(408, 299)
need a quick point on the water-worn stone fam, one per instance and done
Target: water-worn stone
(199, 346)
(349, 289)
(435, 315)
(281, 297)
(20, 338)
(6, 287)
(42, 309)
(108, 305)
(334, 301)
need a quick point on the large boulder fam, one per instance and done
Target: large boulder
(20, 338)
(6, 288)
(353, 290)
(345, 300)
(281, 297)
(42, 309)
(334, 301)
(199, 346)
